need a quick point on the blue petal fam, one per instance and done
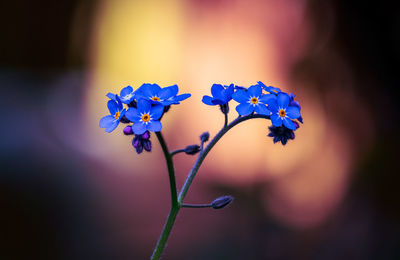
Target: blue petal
(273, 106)
(241, 96)
(132, 115)
(254, 91)
(125, 91)
(266, 99)
(218, 102)
(112, 107)
(156, 112)
(150, 90)
(283, 100)
(244, 109)
(289, 124)
(119, 103)
(154, 126)
(143, 106)
(112, 96)
(174, 90)
(293, 112)
(262, 109)
(207, 100)
(262, 85)
(216, 91)
(166, 93)
(138, 128)
(109, 123)
(123, 112)
(182, 97)
(276, 120)
(227, 93)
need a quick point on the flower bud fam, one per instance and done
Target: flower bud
(128, 130)
(224, 108)
(221, 202)
(204, 137)
(192, 149)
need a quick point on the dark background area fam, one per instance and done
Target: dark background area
(56, 216)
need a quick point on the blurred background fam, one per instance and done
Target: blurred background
(68, 190)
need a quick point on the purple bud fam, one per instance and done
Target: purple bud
(221, 202)
(204, 137)
(128, 130)
(146, 135)
(147, 145)
(192, 149)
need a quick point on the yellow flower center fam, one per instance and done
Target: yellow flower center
(275, 91)
(282, 113)
(145, 118)
(155, 98)
(117, 114)
(254, 100)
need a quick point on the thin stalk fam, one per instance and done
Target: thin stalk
(177, 151)
(171, 171)
(196, 205)
(226, 119)
(203, 153)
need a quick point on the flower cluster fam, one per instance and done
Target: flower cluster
(146, 107)
(281, 107)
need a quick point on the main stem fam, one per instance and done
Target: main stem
(176, 201)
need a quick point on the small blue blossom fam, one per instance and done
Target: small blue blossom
(283, 112)
(157, 95)
(111, 121)
(269, 89)
(145, 117)
(252, 100)
(221, 95)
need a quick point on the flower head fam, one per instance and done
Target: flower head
(221, 95)
(163, 96)
(111, 121)
(252, 100)
(145, 117)
(127, 95)
(142, 141)
(283, 112)
(269, 89)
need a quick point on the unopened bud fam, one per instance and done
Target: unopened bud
(204, 137)
(128, 130)
(192, 149)
(221, 202)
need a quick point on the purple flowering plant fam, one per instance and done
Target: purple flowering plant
(147, 105)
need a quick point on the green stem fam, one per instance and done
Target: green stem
(165, 233)
(203, 153)
(196, 205)
(171, 171)
(226, 119)
(177, 151)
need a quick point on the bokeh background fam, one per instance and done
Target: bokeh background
(68, 190)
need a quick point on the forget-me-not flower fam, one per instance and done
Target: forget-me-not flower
(252, 100)
(157, 95)
(282, 112)
(145, 117)
(111, 121)
(221, 95)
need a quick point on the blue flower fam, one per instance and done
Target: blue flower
(252, 100)
(157, 95)
(127, 95)
(111, 121)
(269, 89)
(283, 112)
(145, 117)
(221, 95)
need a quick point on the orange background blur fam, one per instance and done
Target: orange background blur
(71, 191)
